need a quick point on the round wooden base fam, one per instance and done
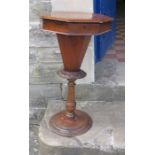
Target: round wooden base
(69, 127)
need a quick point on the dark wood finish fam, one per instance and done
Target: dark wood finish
(69, 127)
(70, 122)
(82, 24)
(73, 31)
(78, 17)
(76, 29)
(71, 75)
(73, 49)
(71, 104)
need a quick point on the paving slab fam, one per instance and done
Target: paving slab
(33, 140)
(106, 137)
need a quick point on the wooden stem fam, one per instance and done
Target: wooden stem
(71, 104)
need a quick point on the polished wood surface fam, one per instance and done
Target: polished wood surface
(71, 103)
(77, 23)
(78, 17)
(73, 49)
(69, 127)
(74, 31)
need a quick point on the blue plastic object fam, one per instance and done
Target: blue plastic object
(105, 41)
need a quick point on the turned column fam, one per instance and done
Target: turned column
(71, 103)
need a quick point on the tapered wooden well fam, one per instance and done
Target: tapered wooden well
(73, 49)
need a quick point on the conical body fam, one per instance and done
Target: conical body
(73, 49)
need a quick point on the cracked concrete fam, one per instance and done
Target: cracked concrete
(105, 137)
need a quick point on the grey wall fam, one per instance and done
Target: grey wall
(44, 60)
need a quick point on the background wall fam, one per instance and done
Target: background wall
(73, 5)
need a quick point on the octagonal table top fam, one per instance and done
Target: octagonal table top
(76, 23)
(77, 17)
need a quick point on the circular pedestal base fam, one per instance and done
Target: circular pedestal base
(69, 127)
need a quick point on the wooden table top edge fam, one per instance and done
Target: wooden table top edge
(77, 17)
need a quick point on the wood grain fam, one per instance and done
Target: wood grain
(78, 17)
(74, 31)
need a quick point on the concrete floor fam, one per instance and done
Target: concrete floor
(33, 139)
(106, 137)
(110, 72)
